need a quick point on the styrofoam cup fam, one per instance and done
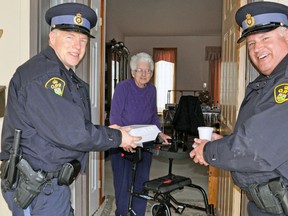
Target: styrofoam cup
(205, 132)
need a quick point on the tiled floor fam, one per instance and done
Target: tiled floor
(185, 167)
(108, 208)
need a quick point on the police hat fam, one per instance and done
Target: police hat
(261, 17)
(72, 17)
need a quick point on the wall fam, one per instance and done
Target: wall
(192, 69)
(14, 46)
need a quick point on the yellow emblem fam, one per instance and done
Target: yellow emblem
(56, 85)
(78, 20)
(281, 93)
(250, 21)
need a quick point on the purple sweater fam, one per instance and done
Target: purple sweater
(134, 105)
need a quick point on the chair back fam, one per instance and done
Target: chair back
(188, 116)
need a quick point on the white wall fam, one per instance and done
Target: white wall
(14, 47)
(192, 69)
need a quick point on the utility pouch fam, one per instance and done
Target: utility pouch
(69, 172)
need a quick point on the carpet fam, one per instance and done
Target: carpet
(108, 208)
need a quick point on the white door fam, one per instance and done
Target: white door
(232, 90)
(96, 162)
(236, 72)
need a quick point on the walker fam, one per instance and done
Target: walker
(159, 189)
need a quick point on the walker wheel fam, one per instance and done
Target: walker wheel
(159, 209)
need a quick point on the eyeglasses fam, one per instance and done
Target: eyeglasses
(141, 71)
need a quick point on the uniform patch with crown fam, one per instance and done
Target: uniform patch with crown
(78, 20)
(250, 21)
(281, 93)
(56, 84)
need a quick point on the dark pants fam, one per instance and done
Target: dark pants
(122, 178)
(57, 203)
(254, 211)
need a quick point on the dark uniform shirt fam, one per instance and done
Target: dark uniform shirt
(257, 150)
(52, 108)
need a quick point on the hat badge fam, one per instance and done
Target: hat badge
(250, 21)
(78, 20)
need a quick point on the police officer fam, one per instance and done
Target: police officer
(50, 105)
(256, 152)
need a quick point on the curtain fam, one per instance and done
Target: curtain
(165, 54)
(213, 55)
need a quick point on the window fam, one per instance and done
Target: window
(163, 82)
(164, 77)
(115, 75)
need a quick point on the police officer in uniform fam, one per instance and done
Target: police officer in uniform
(256, 152)
(51, 107)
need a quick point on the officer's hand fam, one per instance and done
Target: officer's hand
(114, 126)
(197, 153)
(128, 141)
(216, 136)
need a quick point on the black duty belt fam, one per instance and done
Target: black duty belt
(51, 175)
(270, 197)
(66, 175)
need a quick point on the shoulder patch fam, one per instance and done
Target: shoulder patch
(281, 93)
(56, 85)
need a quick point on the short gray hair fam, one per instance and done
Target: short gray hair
(141, 57)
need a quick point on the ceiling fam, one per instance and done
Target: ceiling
(165, 17)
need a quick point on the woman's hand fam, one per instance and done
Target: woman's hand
(164, 137)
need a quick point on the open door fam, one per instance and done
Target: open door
(232, 92)
(236, 73)
(88, 187)
(96, 159)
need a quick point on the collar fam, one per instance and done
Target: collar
(261, 80)
(50, 54)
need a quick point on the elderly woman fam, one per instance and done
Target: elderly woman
(134, 102)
